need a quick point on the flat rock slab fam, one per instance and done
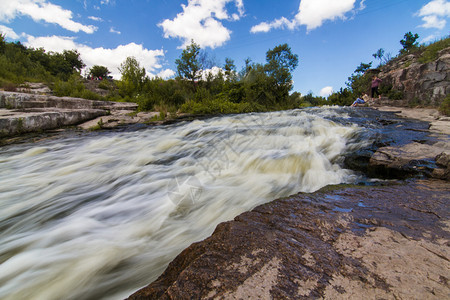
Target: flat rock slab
(14, 122)
(438, 123)
(381, 242)
(119, 117)
(14, 100)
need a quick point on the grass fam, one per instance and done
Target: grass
(431, 51)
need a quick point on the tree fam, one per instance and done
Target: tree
(230, 69)
(2, 43)
(188, 65)
(99, 71)
(409, 42)
(379, 55)
(72, 57)
(280, 63)
(133, 77)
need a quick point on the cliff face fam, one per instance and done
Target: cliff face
(421, 83)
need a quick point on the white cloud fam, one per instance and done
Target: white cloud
(312, 14)
(112, 30)
(167, 73)
(326, 91)
(8, 32)
(434, 14)
(201, 21)
(97, 19)
(42, 10)
(110, 58)
(428, 39)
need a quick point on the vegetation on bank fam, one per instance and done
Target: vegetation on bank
(201, 86)
(359, 81)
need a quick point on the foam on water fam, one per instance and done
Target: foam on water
(101, 216)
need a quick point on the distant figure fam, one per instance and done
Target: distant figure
(360, 100)
(375, 84)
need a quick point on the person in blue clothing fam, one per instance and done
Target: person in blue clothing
(360, 100)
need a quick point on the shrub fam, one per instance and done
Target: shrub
(445, 106)
(431, 52)
(10, 87)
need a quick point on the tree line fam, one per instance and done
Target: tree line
(195, 88)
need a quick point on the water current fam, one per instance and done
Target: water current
(101, 215)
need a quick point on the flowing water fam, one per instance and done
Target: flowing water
(100, 215)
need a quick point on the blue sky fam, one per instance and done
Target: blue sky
(331, 37)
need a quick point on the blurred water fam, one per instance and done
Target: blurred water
(100, 216)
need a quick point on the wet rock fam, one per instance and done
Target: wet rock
(404, 161)
(443, 163)
(389, 242)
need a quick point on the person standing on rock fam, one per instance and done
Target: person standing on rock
(375, 84)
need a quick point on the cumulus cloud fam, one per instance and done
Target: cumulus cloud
(42, 10)
(201, 21)
(167, 73)
(434, 14)
(312, 14)
(326, 91)
(110, 58)
(8, 32)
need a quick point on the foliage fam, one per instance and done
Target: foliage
(2, 43)
(409, 42)
(99, 72)
(133, 77)
(430, 52)
(382, 56)
(188, 65)
(445, 106)
(74, 87)
(358, 84)
(280, 63)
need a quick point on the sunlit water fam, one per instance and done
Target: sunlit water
(101, 215)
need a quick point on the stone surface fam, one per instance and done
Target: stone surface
(14, 122)
(412, 158)
(427, 84)
(380, 242)
(12, 100)
(23, 112)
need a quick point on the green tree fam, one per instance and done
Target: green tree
(280, 63)
(409, 42)
(230, 69)
(189, 65)
(379, 55)
(99, 71)
(2, 43)
(133, 77)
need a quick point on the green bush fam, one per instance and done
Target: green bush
(74, 87)
(218, 106)
(445, 106)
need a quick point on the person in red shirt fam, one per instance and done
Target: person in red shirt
(375, 84)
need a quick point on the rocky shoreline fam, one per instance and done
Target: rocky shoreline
(389, 241)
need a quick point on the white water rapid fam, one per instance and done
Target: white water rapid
(101, 215)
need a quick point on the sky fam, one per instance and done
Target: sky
(330, 37)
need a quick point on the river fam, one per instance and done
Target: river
(99, 215)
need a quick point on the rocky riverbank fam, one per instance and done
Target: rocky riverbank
(390, 240)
